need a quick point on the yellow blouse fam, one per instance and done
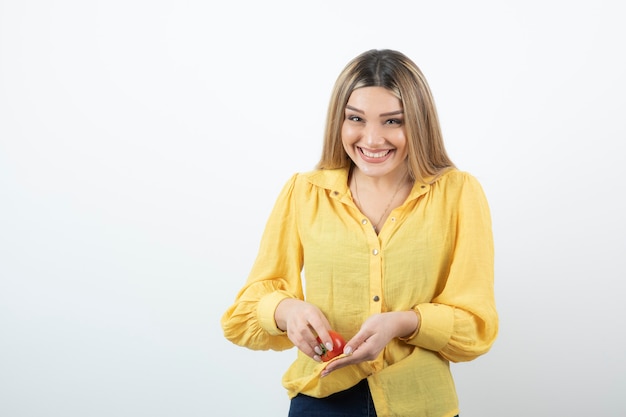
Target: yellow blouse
(434, 254)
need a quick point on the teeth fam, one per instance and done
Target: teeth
(375, 155)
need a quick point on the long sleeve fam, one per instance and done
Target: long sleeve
(461, 322)
(275, 276)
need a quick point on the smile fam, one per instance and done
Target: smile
(380, 154)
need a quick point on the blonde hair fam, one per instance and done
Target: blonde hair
(427, 157)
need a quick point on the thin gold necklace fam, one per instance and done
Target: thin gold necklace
(358, 200)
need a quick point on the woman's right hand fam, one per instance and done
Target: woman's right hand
(304, 322)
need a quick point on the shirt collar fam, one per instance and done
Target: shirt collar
(336, 182)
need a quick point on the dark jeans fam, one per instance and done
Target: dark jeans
(353, 402)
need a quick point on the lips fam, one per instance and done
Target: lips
(378, 156)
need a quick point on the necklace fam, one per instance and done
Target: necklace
(382, 216)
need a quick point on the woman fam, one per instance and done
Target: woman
(386, 243)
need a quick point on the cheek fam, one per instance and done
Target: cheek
(347, 135)
(347, 147)
(400, 141)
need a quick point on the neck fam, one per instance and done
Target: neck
(378, 196)
(390, 181)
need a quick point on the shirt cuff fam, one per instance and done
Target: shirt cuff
(265, 311)
(436, 326)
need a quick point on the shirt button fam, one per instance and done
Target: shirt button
(364, 221)
(376, 298)
(375, 252)
(393, 219)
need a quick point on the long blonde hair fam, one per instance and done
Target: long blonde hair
(427, 157)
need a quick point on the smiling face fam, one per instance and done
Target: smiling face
(373, 133)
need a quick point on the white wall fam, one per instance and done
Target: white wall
(142, 144)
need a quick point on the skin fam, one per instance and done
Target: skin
(373, 125)
(374, 138)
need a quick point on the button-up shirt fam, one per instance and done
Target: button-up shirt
(434, 254)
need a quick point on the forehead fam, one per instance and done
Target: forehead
(374, 98)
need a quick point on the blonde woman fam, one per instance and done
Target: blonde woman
(393, 247)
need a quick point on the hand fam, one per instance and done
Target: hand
(377, 331)
(304, 322)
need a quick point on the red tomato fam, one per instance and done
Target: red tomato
(338, 344)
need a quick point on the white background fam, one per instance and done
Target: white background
(142, 145)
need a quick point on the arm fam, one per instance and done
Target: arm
(275, 276)
(461, 323)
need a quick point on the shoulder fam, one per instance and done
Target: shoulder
(330, 179)
(455, 185)
(456, 179)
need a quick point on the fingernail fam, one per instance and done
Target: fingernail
(317, 358)
(347, 350)
(329, 346)
(318, 350)
(324, 373)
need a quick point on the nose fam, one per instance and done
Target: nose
(373, 135)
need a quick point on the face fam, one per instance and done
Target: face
(373, 133)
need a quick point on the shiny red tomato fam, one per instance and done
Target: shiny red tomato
(338, 344)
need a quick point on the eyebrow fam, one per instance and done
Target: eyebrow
(391, 113)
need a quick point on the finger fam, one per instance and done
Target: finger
(306, 342)
(354, 343)
(319, 326)
(338, 364)
(322, 338)
(319, 321)
(315, 346)
(312, 352)
(317, 352)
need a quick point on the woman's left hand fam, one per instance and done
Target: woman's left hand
(375, 333)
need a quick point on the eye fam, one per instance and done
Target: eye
(353, 118)
(394, 122)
